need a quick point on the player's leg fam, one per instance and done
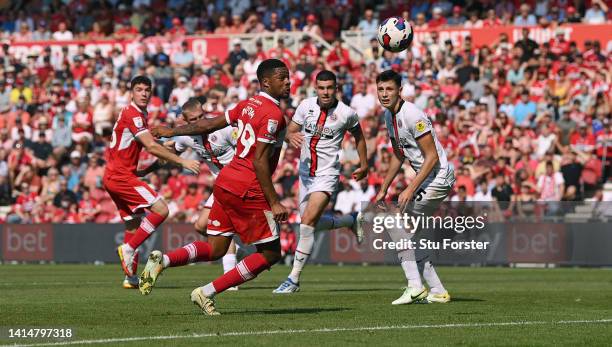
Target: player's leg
(427, 206)
(254, 224)
(267, 255)
(158, 213)
(310, 214)
(415, 290)
(214, 248)
(131, 225)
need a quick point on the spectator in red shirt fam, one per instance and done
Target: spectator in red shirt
(193, 198)
(339, 56)
(437, 20)
(282, 53)
(582, 141)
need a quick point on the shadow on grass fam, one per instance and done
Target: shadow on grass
(288, 311)
(465, 299)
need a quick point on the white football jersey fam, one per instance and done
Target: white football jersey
(408, 125)
(323, 132)
(216, 149)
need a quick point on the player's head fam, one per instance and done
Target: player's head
(388, 86)
(192, 110)
(326, 88)
(273, 77)
(141, 91)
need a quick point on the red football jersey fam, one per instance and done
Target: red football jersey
(123, 151)
(258, 118)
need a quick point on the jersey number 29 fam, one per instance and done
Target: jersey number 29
(247, 137)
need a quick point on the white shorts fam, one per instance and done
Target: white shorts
(427, 199)
(210, 201)
(309, 185)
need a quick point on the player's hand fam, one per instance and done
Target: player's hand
(191, 165)
(360, 173)
(169, 145)
(295, 139)
(379, 200)
(279, 212)
(404, 198)
(160, 131)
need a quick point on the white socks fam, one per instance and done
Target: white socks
(166, 261)
(229, 262)
(413, 276)
(328, 222)
(433, 281)
(209, 290)
(303, 250)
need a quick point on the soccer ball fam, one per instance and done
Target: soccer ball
(395, 34)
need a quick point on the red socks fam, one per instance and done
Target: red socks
(147, 227)
(127, 236)
(191, 253)
(246, 270)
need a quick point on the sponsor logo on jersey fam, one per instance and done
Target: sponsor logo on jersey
(235, 134)
(272, 125)
(420, 126)
(312, 128)
(403, 143)
(138, 122)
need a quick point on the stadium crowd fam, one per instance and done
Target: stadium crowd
(520, 122)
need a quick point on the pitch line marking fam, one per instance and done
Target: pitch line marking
(301, 331)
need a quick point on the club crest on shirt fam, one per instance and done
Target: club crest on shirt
(248, 111)
(272, 125)
(333, 117)
(138, 122)
(420, 126)
(235, 134)
(399, 123)
(213, 137)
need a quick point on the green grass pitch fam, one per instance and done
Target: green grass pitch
(344, 305)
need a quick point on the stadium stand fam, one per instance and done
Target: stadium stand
(505, 108)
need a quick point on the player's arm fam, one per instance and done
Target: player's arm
(294, 135)
(202, 126)
(157, 164)
(261, 164)
(428, 148)
(161, 152)
(397, 159)
(362, 150)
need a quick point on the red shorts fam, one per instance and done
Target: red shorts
(250, 219)
(130, 194)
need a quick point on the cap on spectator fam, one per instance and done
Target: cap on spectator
(428, 73)
(582, 124)
(19, 81)
(571, 10)
(163, 58)
(236, 42)
(559, 32)
(437, 10)
(75, 155)
(56, 82)
(457, 9)
(107, 81)
(182, 79)
(311, 18)
(176, 21)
